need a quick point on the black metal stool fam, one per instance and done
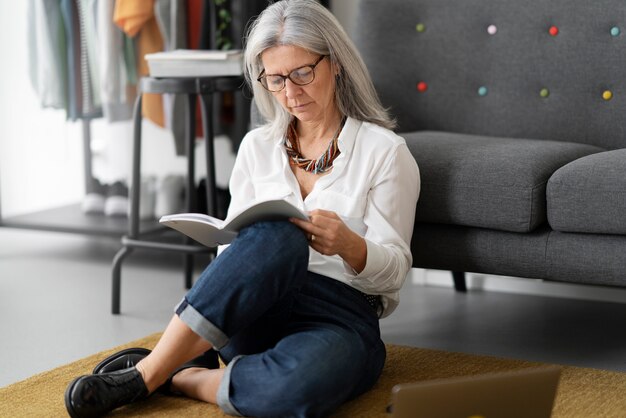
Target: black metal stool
(193, 88)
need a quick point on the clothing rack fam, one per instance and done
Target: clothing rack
(70, 218)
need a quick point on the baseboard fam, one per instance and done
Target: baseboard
(516, 285)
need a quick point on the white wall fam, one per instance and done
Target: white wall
(38, 150)
(41, 154)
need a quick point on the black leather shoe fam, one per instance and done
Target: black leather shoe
(208, 360)
(121, 360)
(97, 394)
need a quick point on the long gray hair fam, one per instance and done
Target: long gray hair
(308, 25)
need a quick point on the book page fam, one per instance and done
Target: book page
(202, 228)
(210, 231)
(270, 210)
(195, 217)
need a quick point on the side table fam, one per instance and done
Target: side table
(194, 88)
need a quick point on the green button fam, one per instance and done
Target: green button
(420, 27)
(544, 93)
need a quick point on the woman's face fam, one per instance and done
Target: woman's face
(314, 102)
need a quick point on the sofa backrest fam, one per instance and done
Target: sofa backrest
(542, 69)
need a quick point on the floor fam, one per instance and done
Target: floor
(55, 308)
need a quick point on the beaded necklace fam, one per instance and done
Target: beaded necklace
(323, 163)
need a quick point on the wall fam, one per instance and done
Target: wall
(38, 149)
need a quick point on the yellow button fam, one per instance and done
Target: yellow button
(420, 27)
(544, 93)
(607, 95)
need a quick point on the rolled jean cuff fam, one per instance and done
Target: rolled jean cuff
(200, 325)
(223, 395)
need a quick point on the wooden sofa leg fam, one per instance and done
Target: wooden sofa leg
(459, 281)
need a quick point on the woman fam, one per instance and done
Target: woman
(293, 306)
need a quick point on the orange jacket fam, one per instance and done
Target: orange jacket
(136, 18)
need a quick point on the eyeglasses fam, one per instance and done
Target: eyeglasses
(300, 76)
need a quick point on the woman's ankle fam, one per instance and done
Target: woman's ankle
(198, 383)
(150, 375)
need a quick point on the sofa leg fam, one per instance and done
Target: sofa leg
(459, 281)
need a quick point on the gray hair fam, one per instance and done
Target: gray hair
(310, 26)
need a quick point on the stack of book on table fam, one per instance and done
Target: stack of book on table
(195, 63)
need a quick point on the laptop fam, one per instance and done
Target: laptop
(522, 393)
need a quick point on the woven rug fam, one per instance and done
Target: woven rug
(582, 392)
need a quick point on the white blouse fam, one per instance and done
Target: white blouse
(373, 186)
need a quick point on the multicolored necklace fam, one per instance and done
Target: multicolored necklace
(320, 165)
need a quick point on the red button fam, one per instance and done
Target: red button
(553, 30)
(422, 87)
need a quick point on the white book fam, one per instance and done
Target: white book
(195, 63)
(211, 231)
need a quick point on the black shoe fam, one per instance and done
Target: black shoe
(208, 360)
(95, 395)
(121, 360)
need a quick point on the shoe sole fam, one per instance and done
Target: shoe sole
(106, 361)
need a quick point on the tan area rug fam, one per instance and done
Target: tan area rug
(582, 392)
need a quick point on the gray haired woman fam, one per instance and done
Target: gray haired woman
(291, 307)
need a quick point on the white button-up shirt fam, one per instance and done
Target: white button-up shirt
(373, 187)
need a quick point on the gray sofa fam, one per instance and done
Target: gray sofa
(516, 114)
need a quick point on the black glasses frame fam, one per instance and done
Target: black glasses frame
(262, 76)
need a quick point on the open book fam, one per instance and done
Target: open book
(211, 231)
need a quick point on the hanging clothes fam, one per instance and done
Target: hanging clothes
(117, 62)
(171, 17)
(74, 93)
(47, 50)
(136, 18)
(88, 59)
(83, 102)
(195, 32)
(74, 48)
(194, 22)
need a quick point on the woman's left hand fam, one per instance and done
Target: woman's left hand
(329, 235)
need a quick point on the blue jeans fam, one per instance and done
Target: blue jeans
(296, 344)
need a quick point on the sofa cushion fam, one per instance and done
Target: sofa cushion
(589, 195)
(488, 182)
